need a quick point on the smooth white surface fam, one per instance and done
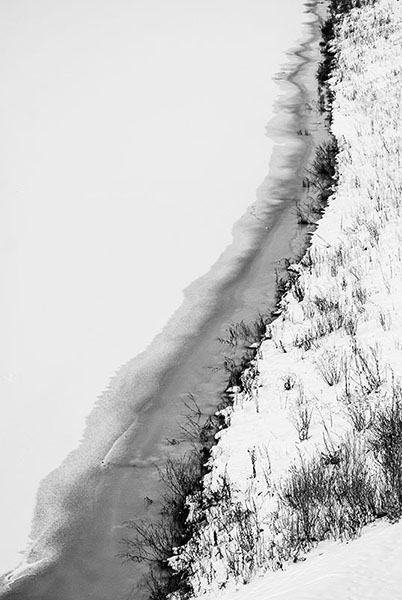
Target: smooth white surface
(131, 139)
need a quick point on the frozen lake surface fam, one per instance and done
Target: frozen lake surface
(132, 139)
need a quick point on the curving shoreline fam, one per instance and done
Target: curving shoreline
(117, 490)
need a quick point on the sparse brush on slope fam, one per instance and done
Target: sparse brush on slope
(323, 169)
(329, 496)
(331, 366)
(242, 333)
(335, 494)
(153, 542)
(325, 67)
(385, 442)
(302, 415)
(322, 176)
(242, 341)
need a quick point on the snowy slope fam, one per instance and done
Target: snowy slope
(367, 568)
(328, 373)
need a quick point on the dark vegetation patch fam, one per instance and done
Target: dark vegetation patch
(153, 543)
(336, 493)
(322, 179)
(241, 343)
(337, 10)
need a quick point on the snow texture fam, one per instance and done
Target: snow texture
(340, 325)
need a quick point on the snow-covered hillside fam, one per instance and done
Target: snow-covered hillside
(312, 450)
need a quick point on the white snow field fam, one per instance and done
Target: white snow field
(326, 379)
(367, 568)
(132, 138)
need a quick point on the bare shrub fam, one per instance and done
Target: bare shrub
(385, 442)
(238, 525)
(368, 368)
(323, 171)
(324, 499)
(331, 366)
(235, 368)
(304, 493)
(182, 477)
(243, 553)
(191, 425)
(160, 585)
(153, 542)
(242, 341)
(242, 333)
(329, 316)
(360, 410)
(302, 416)
(304, 340)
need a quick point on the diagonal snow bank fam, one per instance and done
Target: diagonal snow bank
(367, 568)
(332, 360)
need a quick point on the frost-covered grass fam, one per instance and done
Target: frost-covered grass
(313, 447)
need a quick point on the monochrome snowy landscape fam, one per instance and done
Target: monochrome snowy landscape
(132, 141)
(312, 448)
(252, 448)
